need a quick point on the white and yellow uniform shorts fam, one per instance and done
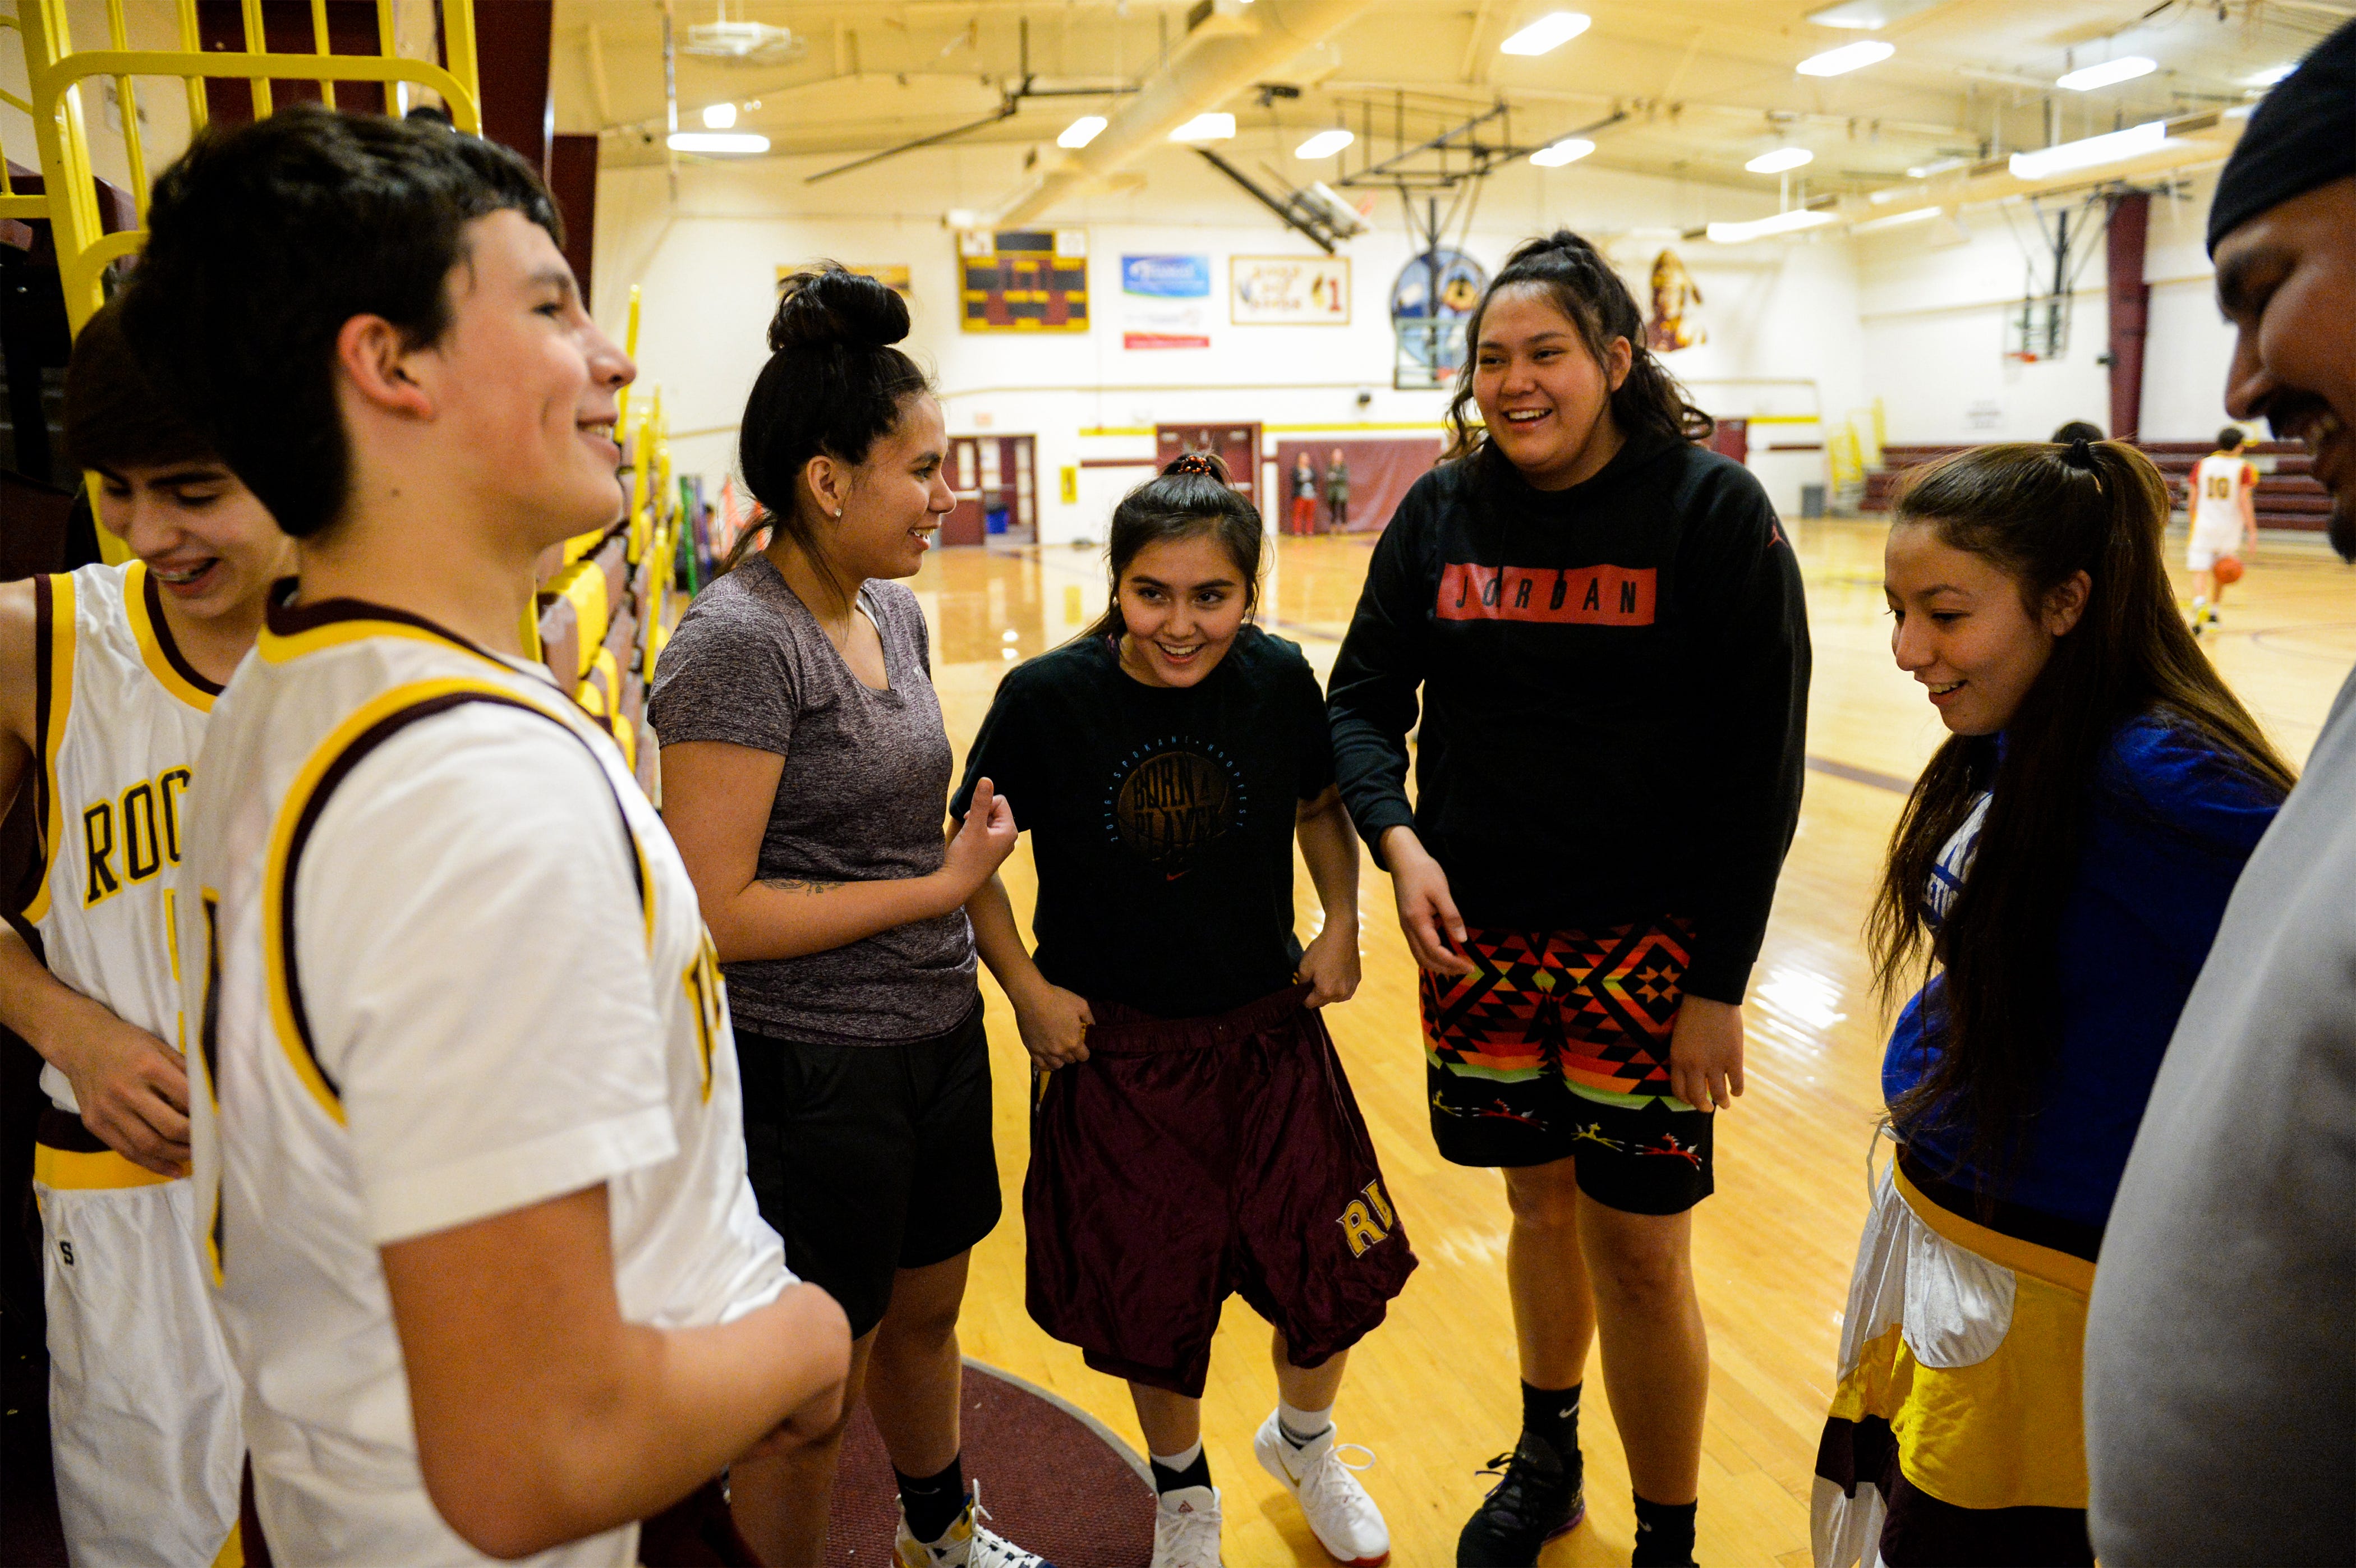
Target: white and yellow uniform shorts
(2210, 541)
(1961, 1360)
(142, 1399)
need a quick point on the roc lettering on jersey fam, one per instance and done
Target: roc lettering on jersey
(1576, 596)
(131, 838)
(1368, 1220)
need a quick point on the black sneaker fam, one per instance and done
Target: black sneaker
(1536, 1497)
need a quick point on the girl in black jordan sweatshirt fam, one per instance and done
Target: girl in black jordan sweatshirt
(1606, 626)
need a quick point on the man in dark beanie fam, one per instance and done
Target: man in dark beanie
(2221, 1364)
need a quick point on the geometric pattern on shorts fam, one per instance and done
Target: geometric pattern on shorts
(1594, 1010)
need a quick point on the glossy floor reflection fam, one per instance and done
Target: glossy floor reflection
(1433, 1392)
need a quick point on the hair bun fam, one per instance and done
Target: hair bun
(829, 305)
(1204, 463)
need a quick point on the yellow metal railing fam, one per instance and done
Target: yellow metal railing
(56, 70)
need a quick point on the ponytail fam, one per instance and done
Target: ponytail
(1649, 402)
(1190, 497)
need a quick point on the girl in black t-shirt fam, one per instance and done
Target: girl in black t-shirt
(1195, 1135)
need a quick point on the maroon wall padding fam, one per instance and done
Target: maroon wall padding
(2130, 311)
(1380, 473)
(287, 28)
(572, 180)
(1731, 438)
(511, 45)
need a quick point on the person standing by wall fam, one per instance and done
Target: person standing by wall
(1304, 494)
(1604, 623)
(2221, 1379)
(1337, 494)
(2224, 486)
(806, 773)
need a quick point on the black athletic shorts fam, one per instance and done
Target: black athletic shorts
(869, 1159)
(1556, 1047)
(1188, 1159)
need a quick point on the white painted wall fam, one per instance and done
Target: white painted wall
(1933, 304)
(1784, 339)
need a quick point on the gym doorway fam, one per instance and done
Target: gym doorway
(995, 481)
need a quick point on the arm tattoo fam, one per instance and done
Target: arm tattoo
(798, 884)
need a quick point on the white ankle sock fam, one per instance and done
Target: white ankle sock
(1180, 1462)
(1302, 1427)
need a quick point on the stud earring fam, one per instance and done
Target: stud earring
(837, 511)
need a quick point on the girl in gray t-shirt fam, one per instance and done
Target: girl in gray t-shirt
(805, 778)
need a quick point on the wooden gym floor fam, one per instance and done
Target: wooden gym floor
(1433, 1392)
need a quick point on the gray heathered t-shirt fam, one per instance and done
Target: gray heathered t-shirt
(2220, 1363)
(864, 797)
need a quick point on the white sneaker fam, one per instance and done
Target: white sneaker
(969, 1543)
(1186, 1528)
(1341, 1515)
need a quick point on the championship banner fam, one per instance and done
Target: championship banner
(1165, 301)
(1289, 291)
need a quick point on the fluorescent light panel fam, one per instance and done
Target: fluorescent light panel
(1764, 227)
(1550, 31)
(2271, 75)
(1868, 15)
(1081, 132)
(724, 142)
(2111, 72)
(1324, 143)
(1570, 150)
(2115, 146)
(1206, 128)
(1847, 58)
(1781, 159)
(1897, 219)
(719, 116)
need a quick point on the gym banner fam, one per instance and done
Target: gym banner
(1164, 302)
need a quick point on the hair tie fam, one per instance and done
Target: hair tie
(1196, 462)
(2081, 454)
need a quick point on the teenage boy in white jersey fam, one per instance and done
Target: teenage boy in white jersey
(469, 1142)
(2225, 518)
(107, 676)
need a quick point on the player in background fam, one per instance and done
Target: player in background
(2224, 486)
(2098, 794)
(1602, 626)
(469, 1154)
(107, 677)
(1197, 1134)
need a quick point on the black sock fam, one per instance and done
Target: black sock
(933, 1503)
(1552, 1414)
(1198, 1474)
(1665, 1534)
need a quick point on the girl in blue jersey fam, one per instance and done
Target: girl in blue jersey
(2061, 868)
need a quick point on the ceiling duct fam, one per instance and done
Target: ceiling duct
(1229, 47)
(743, 43)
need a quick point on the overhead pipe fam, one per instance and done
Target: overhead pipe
(1234, 47)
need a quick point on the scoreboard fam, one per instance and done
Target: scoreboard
(1024, 281)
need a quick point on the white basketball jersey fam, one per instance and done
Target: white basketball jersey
(443, 963)
(119, 717)
(2218, 482)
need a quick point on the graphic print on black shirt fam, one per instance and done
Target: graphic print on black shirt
(1161, 818)
(1171, 800)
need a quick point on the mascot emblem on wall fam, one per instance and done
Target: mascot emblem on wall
(1675, 294)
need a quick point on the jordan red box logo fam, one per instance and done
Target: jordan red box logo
(1575, 596)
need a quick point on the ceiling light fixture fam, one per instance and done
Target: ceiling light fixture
(1081, 132)
(1790, 223)
(1550, 31)
(1918, 215)
(736, 143)
(1868, 15)
(1206, 128)
(1781, 159)
(2115, 146)
(1847, 58)
(1324, 143)
(1936, 167)
(1570, 150)
(719, 116)
(2271, 75)
(2111, 72)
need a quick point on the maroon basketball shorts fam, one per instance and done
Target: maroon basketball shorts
(1189, 1158)
(1556, 1047)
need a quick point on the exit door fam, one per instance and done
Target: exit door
(996, 482)
(1236, 445)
